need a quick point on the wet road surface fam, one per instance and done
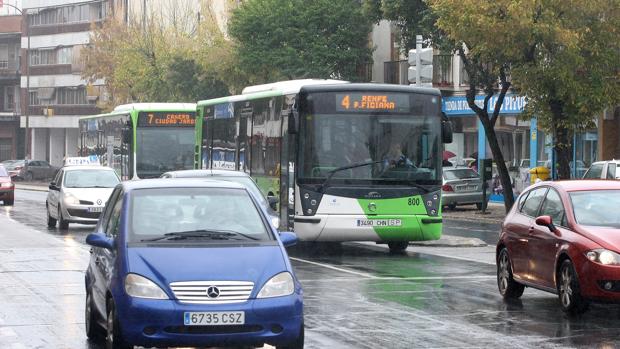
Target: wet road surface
(356, 295)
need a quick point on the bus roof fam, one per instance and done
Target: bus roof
(274, 89)
(290, 86)
(125, 108)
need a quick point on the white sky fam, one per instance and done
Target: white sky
(6, 10)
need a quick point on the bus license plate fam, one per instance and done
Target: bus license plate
(379, 222)
(95, 209)
(214, 318)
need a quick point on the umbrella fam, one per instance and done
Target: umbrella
(448, 154)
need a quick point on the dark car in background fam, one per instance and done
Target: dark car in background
(268, 203)
(7, 188)
(31, 170)
(563, 237)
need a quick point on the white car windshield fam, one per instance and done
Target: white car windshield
(91, 179)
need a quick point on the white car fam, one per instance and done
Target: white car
(604, 170)
(78, 194)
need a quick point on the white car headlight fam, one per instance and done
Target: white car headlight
(604, 257)
(275, 221)
(6, 185)
(278, 286)
(141, 287)
(70, 199)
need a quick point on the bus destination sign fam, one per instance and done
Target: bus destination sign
(388, 102)
(167, 119)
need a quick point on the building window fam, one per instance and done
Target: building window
(65, 55)
(68, 95)
(4, 56)
(10, 98)
(49, 56)
(34, 98)
(69, 14)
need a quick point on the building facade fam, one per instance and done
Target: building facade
(53, 93)
(10, 136)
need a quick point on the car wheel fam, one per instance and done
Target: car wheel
(571, 300)
(298, 343)
(94, 331)
(51, 221)
(451, 206)
(114, 338)
(62, 223)
(508, 287)
(398, 246)
(28, 176)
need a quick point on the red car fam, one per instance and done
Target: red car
(563, 237)
(7, 188)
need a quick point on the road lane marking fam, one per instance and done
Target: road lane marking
(342, 270)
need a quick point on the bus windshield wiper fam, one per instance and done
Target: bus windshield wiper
(347, 167)
(201, 233)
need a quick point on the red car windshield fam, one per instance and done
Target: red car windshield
(592, 207)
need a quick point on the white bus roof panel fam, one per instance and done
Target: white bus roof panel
(290, 86)
(156, 106)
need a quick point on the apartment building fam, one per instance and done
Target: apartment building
(53, 93)
(10, 34)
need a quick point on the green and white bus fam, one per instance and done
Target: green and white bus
(346, 162)
(141, 140)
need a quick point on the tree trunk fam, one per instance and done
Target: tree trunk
(502, 170)
(562, 140)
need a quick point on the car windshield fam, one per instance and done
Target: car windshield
(3, 172)
(593, 207)
(90, 179)
(205, 214)
(17, 163)
(464, 173)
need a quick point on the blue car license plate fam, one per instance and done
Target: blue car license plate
(214, 318)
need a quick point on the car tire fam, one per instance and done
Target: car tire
(94, 331)
(451, 207)
(114, 338)
(28, 177)
(51, 221)
(508, 287)
(298, 343)
(398, 246)
(569, 293)
(62, 223)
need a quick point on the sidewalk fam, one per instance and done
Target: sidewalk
(495, 213)
(34, 186)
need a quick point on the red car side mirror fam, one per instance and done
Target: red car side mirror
(546, 221)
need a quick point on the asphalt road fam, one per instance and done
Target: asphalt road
(360, 296)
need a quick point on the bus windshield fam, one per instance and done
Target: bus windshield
(163, 149)
(377, 147)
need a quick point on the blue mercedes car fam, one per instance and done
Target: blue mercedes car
(190, 262)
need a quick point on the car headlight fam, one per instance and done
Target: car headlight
(70, 199)
(141, 287)
(6, 185)
(275, 221)
(604, 257)
(278, 286)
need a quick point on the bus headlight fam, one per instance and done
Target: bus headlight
(278, 286)
(431, 203)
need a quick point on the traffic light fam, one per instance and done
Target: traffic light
(421, 65)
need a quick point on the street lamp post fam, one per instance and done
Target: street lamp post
(27, 107)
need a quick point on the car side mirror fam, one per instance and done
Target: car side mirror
(546, 221)
(288, 238)
(126, 134)
(273, 202)
(100, 240)
(293, 121)
(53, 186)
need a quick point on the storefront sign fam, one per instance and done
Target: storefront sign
(513, 104)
